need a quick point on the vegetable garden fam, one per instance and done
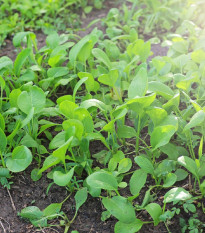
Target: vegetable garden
(102, 116)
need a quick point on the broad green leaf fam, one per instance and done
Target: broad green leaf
(2, 122)
(77, 86)
(31, 212)
(28, 141)
(139, 103)
(124, 165)
(137, 181)
(57, 72)
(20, 160)
(79, 128)
(18, 38)
(176, 195)
(90, 82)
(185, 84)
(4, 172)
(35, 175)
(13, 97)
(181, 174)
(94, 103)
(109, 79)
(57, 141)
(61, 151)
(173, 101)
(20, 60)
(80, 197)
(139, 84)
(145, 164)
(170, 180)
(28, 118)
(132, 227)
(162, 135)
(189, 164)
(157, 115)
(120, 208)
(155, 211)
(3, 141)
(77, 48)
(67, 108)
(63, 179)
(49, 162)
(34, 98)
(196, 120)
(102, 180)
(51, 211)
(198, 55)
(5, 62)
(161, 89)
(53, 40)
(125, 131)
(102, 57)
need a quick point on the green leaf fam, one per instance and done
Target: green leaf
(181, 174)
(79, 128)
(18, 38)
(77, 86)
(137, 181)
(196, 120)
(132, 227)
(94, 103)
(35, 176)
(20, 160)
(13, 97)
(61, 151)
(2, 122)
(49, 162)
(155, 211)
(189, 164)
(170, 180)
(31, 212)
(157, 115)
(139, 84)
(57, 141)
(145, 164)
(20, 60)
(120, 208)
(34, 98)
(124, 165)
(3, 141)
(28, 141)
(57, 72)
(162, 135)
(109, 79)
(102, 57)
(125, 131)
(4, 172)
(51, 211)
(28, 118)
(102, 180)
(80, 197)
(5, 62)
(63, 179)
(76, 49)
(67, 108)
(176, 195)
(161, 89)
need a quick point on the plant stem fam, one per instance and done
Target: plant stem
(2, 159)
(138, 135)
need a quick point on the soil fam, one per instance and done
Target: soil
(24, 192)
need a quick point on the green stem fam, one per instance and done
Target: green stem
(138, 135)
(2, 159)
